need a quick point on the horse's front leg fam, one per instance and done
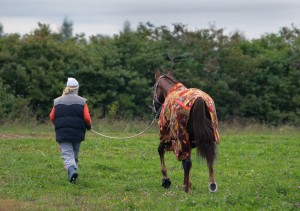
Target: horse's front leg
(213, 187)
(187, 165)
(165, 180)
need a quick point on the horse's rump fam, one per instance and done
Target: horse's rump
(201, 130)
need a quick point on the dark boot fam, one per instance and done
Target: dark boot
(72, 174)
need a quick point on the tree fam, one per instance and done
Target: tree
(66, 29)
(257, 79)
(127, 27)
(1, 30)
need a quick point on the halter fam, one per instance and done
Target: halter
(155, 98)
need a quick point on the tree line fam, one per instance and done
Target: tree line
(256, 80)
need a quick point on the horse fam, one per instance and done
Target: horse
(187, 120)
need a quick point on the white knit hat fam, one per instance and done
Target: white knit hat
(72, 82)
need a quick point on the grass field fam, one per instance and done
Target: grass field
(257, 169)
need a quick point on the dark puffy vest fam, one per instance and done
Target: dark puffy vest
(68, 118)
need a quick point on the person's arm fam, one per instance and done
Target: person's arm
(51, 115)
(87, 117)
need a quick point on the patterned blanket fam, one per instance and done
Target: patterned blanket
(175, 115)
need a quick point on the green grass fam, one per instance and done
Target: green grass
(256, 169)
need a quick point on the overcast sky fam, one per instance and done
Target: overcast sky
(252, 17)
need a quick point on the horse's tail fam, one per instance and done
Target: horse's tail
(203, 131)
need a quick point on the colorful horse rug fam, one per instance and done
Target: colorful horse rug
(174, 117)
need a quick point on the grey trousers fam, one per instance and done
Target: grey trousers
(69, 154)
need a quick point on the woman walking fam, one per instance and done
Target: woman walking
(71, 118)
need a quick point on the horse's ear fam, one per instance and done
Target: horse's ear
(170, 74)
(157, 74)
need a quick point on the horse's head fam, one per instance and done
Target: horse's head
(161, 88)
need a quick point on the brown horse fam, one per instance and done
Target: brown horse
(187, 119)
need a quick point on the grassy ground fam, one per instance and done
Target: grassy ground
(257, 169)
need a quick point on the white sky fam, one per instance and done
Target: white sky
(252, 17)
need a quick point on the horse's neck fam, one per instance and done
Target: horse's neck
(167, 87)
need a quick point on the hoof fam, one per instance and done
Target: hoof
(213, 187)
(187, 190)
(166, 183)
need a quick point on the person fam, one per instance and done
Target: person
(71, 118)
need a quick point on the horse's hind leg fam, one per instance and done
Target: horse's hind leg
(165, 180)
(187, 165)
(213, 187)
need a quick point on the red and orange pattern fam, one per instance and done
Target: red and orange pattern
(175, 115)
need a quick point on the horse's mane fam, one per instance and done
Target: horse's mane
(171, 78)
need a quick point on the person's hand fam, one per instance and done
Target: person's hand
(89, 127)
